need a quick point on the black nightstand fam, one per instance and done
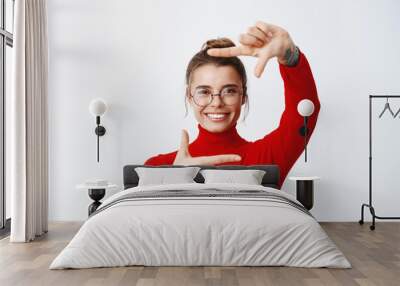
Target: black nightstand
(96, 193)
(305, 190)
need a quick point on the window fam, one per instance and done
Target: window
(6, 44)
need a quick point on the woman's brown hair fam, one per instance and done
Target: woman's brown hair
(202, 58)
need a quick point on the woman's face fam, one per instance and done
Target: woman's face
(216, 116)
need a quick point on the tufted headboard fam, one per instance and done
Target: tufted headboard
(270, 179)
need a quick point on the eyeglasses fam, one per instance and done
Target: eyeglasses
(230, 95)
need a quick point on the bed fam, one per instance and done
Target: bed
(201, 224)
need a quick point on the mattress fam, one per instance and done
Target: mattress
(201, 225)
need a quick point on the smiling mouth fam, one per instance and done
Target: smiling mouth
(217, 117)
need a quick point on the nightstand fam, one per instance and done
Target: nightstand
(305, 190)
(96, 193)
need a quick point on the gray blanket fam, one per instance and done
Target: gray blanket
(206, 193)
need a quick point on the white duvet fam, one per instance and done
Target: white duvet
(200, 231)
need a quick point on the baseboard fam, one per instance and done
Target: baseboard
(5, 231)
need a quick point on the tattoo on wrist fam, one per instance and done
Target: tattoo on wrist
(291, 58)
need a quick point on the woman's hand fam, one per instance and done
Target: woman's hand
(183, 156)
(264, 41)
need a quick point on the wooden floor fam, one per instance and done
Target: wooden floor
(374, 255)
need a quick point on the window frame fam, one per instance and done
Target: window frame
(6, 39)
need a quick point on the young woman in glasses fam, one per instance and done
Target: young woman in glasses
(217, 90)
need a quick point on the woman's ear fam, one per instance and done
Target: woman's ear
(187, 95)
(187, 99)
(187, 92)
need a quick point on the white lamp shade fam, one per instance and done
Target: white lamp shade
(97, 107)
(305, 107)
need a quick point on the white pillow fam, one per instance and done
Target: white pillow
(162, 176)
(248, 177)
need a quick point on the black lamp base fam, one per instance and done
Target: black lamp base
(96, 195)
(305, 193)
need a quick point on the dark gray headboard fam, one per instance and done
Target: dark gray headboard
(270, 179)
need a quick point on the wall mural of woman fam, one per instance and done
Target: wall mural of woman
(217, 91)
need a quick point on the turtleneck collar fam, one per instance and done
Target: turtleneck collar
(228, 137)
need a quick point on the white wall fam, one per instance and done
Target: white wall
(134, 54)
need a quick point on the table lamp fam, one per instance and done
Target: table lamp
(97, 108)
(305, 109)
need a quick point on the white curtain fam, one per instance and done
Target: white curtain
(28, 157)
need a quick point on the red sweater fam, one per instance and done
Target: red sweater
(282, 146)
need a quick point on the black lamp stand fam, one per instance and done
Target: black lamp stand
(304, 132)
(100, 131)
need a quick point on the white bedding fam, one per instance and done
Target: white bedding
(200, 231)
